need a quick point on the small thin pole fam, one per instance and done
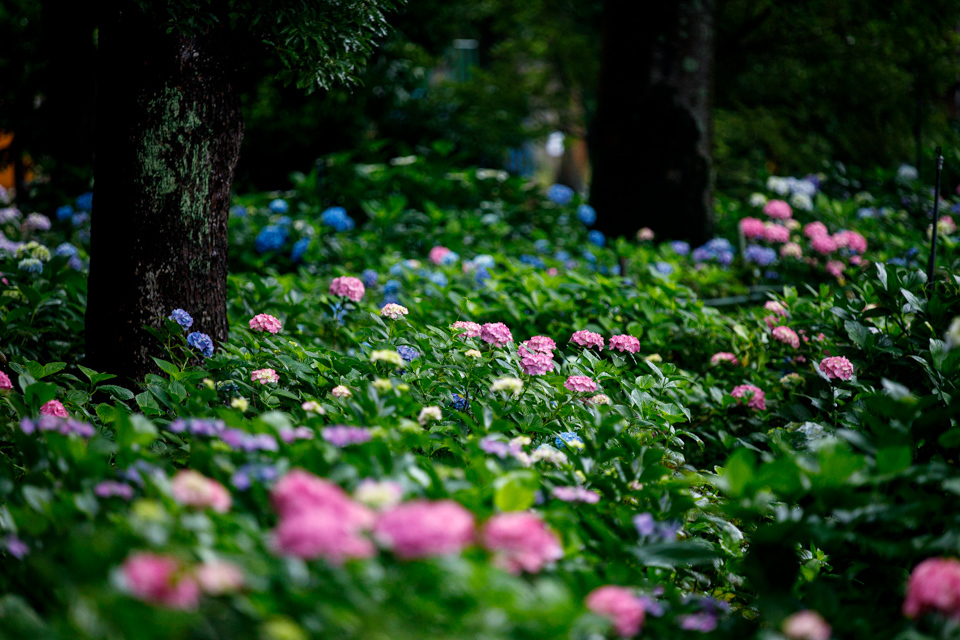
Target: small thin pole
(936, 219)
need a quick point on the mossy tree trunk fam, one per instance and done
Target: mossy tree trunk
(169, 128)
(652, 134)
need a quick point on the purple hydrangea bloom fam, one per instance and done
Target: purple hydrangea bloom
(343, 436)
(201, 342)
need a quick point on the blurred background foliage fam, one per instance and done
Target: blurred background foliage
(796, 85)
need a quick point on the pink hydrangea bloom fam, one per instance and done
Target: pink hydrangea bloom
(263, 376)
(775, 307)
(437, 253)
(835, 268)
(791, 250)
(946, 225)
(5, 384)
(824, 244)
(752, 228)
(422, 528)
(776, 233)
(347, 287)
(576, 494)
(521, 542)
(159, 580)
(757, 399)
(319, 520)
(851, 240)
(837, 367)
(856, 260)
(934, 585)
(552, 271)
(580, 384)
(54, 408)
(539, 344)
(393, 310)
(300, 491)
(815, 229)
(787, 336)
(496, 333)
(219, 577)
(321, 533)
(778, 209)
(535, 364)
(724, 356)
(806, 625)
(645, 234)
(470, 329)
(625, 343)
(264, 322)
(341, 391)
(193, 489)
(587, 339)
(620, 606)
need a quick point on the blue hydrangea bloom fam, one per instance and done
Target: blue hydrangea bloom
(337, 218)
(75, 263)
(458, 402)
(534, 261)
(589, 257)
(542, 245)
(912, 251)
(449, 258)
(562, 256)
(568, 439)
(285, 221)
(490, 218)
(615, 269)
(438, 279)
(299, 249)
(30, 265)
(65, 212)
(409, 354)
(680, 247)
(66, 249)
(771, 275)
(279, 206)
(718, 245)
(396, 269)
(559, 194)
(182, 318)
(79, 218)
(85, 201)
(484, 261)
(238, 211)
(201, 342)
(597, 238)
(763, 256)
(370, 277)
(391, 287)
(482, 276)
(587, 214)
(726, 257)
(866, 212)
(663, 267)
(271, 238)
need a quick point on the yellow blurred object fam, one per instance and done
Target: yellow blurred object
(6, 173)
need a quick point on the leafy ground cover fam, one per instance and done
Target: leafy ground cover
(449, 409)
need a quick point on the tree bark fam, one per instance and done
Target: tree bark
(652, 134)
(169, 128)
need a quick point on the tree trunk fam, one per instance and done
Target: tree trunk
(651, 138)
(169, 127)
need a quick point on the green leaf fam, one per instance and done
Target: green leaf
(167, 367)
(738, 472)
(515, 491)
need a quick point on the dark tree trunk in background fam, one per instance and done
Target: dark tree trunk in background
(651, 137)
(169, 127)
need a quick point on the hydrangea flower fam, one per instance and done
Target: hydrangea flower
(279, 205)
(835, 268)
(192, 489)
(680, 247)
(347, 287)
(763, 256)
(645, 234)
(30, 265)
(575, 494)
(265, 322)
(437, 254)
(218, 577)
(159, 580)
(512, 385)
(600, 398)
(429, 414)
(423, 528)
(624, 343)
(337, 218)
(264, 376)
(341, 391)
(54, 408)
(393, 311)
(559, 194)
(66, 250)
(84, 201)
(369, 278)
(752, 228)
(806, 625)
(587, 339)
(787, 336)
(776, 233)
(791, 250)
(299, 249)
(568, 439)
(496, 333)
(113, 489)
(580, 384)
(586, 214)
(778, 209)
(934, 586)
(201, 342)
(5, 383)
(815, 229)
(520, 542)
(837, 368)
(270, 238)
(534, 363)
(408, 354)
(756, 398)
(37, 222)
(823, 244)
(343, 436)
(597, 238)
(388, 356)
(663, 268)
(64, 213)
(378, 494)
